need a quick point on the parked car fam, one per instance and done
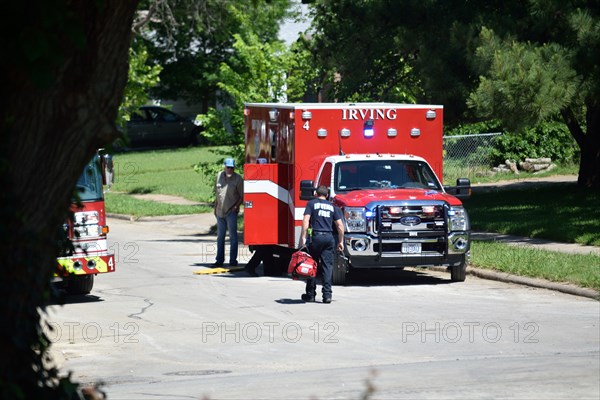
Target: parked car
(157, 126)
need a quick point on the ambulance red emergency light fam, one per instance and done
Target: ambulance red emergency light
(87, 254)
(383, 165)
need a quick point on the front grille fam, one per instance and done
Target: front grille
(400, 220)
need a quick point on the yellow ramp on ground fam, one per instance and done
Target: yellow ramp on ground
(211, 271)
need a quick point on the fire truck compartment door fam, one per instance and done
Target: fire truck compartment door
(267, 215)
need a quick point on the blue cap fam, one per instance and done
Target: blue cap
(229, 162)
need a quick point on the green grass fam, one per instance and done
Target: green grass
(165, 172)
(579, 269)
(563, 212)
(118, 203)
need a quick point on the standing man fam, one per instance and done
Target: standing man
(320, 214)
(229, 194)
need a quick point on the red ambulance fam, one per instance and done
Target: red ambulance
(383, 165)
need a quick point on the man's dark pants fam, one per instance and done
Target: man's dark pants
(321, 250)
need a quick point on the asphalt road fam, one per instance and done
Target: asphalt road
(154, 329)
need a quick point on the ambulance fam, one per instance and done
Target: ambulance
(383, 165)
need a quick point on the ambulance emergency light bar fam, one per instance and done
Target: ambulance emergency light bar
(345, 132)
(368, 130)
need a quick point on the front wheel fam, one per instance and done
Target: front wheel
(339, 270)
(458, 273)
(82, 284)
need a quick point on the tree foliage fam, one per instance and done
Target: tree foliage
(257, 71)
(191, 38)
(545, 71)
(63, 72)
(358, 47)
(524, 84)
(521, 62)
(254, 73)
(409, 51)
(140, 79)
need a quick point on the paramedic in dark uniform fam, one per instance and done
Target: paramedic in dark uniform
(321, 215)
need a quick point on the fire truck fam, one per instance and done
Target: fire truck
(383, 165)
(86, 252)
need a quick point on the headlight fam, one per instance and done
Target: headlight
(355, 219)
(458, 219)
(88, 231)
(86, 218)
(86, 224)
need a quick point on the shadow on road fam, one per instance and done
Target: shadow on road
(394, 277)
(373, 277)
(64, 298)
(357, 277)
(290, 301)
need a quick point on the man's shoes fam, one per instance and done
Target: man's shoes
(308, 298)
(326, 300)
(217, 265)
(251, 272)
(233, 264)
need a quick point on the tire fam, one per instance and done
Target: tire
(270, 264)
(458, 273)
(339, 270)
(271, 269)
(198, 139)
(285, 256)
(80, 284)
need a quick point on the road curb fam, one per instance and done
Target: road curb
(533, 282)
(122, 217)
(527, 281)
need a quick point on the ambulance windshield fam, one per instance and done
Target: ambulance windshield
(384, 174)
(89, 184)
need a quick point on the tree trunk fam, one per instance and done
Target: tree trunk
(62, 88)
(589, 163)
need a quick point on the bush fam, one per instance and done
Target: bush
(549, 139)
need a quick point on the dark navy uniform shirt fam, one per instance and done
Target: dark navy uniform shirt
(322, 214)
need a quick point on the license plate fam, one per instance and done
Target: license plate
(411, 248)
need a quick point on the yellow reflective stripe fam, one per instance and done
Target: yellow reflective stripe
(67, 264)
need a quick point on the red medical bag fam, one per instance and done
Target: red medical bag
(302, 266)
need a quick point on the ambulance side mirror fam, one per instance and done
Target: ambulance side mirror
(462, 190)
(307, 190)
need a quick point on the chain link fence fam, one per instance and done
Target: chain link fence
(467, 156)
